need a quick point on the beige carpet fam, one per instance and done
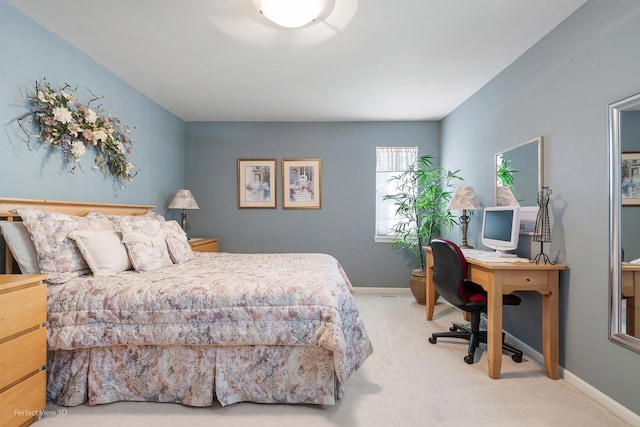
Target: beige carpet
(406, 382)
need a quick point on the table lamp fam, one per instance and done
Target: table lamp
(183, 200)
(505, 196)
(464, 198)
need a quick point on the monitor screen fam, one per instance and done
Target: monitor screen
(500, 227)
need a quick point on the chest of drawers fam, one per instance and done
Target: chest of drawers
(23, 348)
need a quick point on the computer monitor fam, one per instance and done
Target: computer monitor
(501, 228)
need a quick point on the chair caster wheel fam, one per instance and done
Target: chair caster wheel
(517, 358)
(468, 359)
(453, 328)
(432, 339)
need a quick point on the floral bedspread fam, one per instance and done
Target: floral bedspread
(217, 299)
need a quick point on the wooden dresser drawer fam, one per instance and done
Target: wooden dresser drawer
(22, 309)
(23, 348)
(24, 401)
(22, 356)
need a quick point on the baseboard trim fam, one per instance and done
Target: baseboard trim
(593, 393)
(382, 291)
(621, 411)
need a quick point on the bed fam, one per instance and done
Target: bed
(180, 326)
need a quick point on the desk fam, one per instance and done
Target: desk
(504, 278)
(631, 289)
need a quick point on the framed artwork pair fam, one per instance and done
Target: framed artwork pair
(300, 183)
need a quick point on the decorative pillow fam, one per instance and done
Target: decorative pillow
(103, 250)
(116, 220)
(19, 242)
(145, 242)
(177, 242)
(58, 256)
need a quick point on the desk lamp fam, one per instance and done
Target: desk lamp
(464, 198)
(505, 196)
(183, 200)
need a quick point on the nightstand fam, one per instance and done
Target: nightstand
(204, 244)
(23, 348)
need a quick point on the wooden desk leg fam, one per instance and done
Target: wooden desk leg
(636, 316)
(431, 290)
(635, 323)
(631, 316)
(431, 299)
(494, 326)
(550, 327)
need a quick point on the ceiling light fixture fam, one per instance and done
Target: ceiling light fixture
(292, 13)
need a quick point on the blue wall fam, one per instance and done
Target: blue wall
(561, 89)
(344, 227)
(30, 53)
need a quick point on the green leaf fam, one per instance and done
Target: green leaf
(424, 190)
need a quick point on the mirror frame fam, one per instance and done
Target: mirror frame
(540, 141)
(615, 217)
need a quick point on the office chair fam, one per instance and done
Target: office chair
(450, 280)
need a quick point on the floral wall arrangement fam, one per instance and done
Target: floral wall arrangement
(64, 123)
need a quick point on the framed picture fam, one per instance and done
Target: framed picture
(257, 183)
(630, 179)
(301, 184)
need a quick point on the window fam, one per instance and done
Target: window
(389, 162)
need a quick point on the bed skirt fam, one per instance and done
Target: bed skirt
(192, 375)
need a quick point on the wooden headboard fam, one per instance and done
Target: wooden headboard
(71, 208)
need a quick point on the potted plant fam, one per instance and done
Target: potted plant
(423, 192)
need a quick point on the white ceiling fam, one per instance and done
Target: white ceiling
(220, 60)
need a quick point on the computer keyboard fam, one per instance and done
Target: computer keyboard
(470, 253)
(487, 256)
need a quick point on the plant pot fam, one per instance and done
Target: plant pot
(418, 285)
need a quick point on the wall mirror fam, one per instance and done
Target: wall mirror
(519, 174)
(624, 214)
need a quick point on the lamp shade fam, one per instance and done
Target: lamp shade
(183, 200)
(464, 198)
(292, 13)
(505, 197)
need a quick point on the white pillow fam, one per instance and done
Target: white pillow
(19, 242)
(103, 251)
